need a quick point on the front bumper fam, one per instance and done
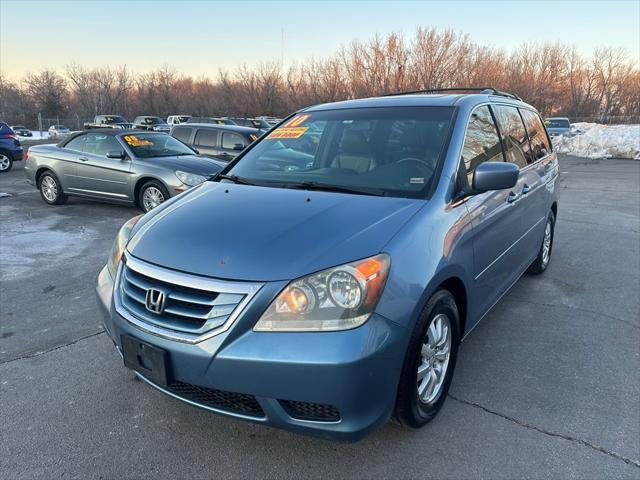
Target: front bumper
(354, 372)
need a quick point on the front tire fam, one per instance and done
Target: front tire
(541, 262)
(6, 162)
(50, 189)
(429, 362)
(151, 195)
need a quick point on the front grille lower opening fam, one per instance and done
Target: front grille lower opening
(318, 412)
(241, 403)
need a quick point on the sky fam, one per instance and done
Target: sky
(201, 37)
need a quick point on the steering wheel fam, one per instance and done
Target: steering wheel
(419, 161)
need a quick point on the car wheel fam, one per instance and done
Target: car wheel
(6, 162)
(151, 195)
(541, 262)
(50, 189)
(429, 362)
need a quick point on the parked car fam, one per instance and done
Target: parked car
(58, 130)
(258, 123)
(270, 120)
(223, 142)
(558, 126)
(21, 131)
(130, 167)
(177, 119)
(326, 297)
(10, 148)
(214, 120)
(108, 121)
(154, 124)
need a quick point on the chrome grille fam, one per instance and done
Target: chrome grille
(193, 305)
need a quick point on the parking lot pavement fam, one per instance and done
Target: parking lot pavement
(548, 385)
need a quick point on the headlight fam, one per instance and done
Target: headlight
(118, 245)
(190, 179)
(338, 298)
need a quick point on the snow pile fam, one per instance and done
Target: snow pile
(592, 140)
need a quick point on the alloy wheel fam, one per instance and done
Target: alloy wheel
(546, 243)
(151, 198)
(434, 359)
(49, 188)
(5, 163)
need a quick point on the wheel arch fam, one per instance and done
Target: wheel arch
(452, 280)
(456, 287)
(40, 171)
(554, 209)
(140, 182)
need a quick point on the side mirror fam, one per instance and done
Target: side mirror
(238, 146)
(117, 154)
(495, 176)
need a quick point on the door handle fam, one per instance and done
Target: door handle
(512, 197)
(83, 159)
(526, 189)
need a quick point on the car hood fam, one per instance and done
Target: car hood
(242, 232)
(188, 163)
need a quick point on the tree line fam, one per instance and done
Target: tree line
(554, 77)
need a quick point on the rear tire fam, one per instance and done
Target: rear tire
(50, 189)
(422, 391)
(6, 162)
(541, 262)
(151, 195)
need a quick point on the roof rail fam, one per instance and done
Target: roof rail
(486, 90)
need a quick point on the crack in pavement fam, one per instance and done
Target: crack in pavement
(52, 349)
(549, 433)
(586, 310)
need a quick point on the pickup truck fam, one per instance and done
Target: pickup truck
(108, 121)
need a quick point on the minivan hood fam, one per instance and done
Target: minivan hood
(242, 232)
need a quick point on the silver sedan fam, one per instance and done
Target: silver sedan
(132, 167)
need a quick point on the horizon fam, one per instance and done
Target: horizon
(278, 32)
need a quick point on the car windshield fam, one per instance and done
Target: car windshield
(260, 124)
(183, 118)
(62, 127)
(115, 119)
(147, 145)
(154, 121)
(389, 151)
(557, 123)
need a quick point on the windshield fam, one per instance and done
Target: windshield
(259, 124)
(61, 127)
(153, 121)
(183, 118)
(114, 119)
(557, 123)
(147, 145)
(393, 151)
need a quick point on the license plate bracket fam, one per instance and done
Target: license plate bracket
(149, 361)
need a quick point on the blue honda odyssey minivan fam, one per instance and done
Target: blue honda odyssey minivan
(323, 281)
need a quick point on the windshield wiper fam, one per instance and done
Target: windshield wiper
(233, 178)
(328, 187)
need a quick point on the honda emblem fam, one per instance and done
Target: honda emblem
(155, 300)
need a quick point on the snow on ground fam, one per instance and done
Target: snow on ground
(36, 135)
(592, 140)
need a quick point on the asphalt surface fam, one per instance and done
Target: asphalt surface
(547, 386)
